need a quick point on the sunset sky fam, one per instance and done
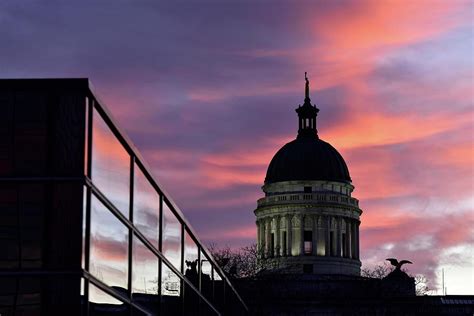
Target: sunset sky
(207, 91)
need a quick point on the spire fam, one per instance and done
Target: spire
(306, 88)
(307, 114)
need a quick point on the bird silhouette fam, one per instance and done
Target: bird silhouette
(398, 264)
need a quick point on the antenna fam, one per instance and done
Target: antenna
(444, 289)
(306, 88)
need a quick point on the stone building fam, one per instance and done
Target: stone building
(308, 241)
(308, 221)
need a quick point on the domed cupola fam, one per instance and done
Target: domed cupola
(307, 157)
(308, 221)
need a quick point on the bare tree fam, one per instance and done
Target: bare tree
(378, 272)
(242, 263)
(421, 285)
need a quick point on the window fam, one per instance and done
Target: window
(308, 242)
(170, 282)
(84, 225)
(110, 165)
(108, 247)
(272, 245)
(145, 269)
(171, 237)
(283, 244)
(206, 277)
(146, 207)
(144, 276)
(101, 301)
(191, 263)
(86, 136)
(171, 294)
(308, 189)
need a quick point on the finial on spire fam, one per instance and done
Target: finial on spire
(306, 90)
(307, 114)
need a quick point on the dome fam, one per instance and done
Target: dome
(307, 158)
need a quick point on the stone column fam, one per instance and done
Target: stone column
(284, 239)
(315, 235)
(264, 237)
(277, 236)
(338, 237)
(262, 240)
(259, 237)
(348, 238)
(328, 234)
(269, 237)
(353, 239)
(289, 232)
(301, 218)
(263, 234)
(357, 239)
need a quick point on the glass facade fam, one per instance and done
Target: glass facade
(171, 237)
(169, 271)
(191, 260)
(146, 207)
(145, 269)
(108, 246)
(110, 165)
(116, 243)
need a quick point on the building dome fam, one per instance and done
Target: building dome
(308, 221)
(307, 158)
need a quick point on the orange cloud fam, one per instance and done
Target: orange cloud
(371, 25)
(372, 128)
(224, 176)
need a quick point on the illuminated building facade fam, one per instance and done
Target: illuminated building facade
(85, 227)
(308, 221)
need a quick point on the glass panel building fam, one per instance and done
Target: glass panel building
(85, 228)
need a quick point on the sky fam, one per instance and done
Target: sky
(207, 90)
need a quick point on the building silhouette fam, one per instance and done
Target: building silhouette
(85, 228)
